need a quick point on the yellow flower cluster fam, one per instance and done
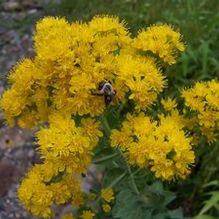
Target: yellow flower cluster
(161, 146)
(73, 58)
(162, 40)
(63, 81)
(169, 104)
(106, 208)
(67, 216)
(66, 150)
(38, 195)
(107, 194)
(87, 214)
(203, 98)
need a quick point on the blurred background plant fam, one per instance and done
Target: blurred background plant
(197, 20)
(211, 203)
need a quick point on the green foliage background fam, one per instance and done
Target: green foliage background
(198, 21)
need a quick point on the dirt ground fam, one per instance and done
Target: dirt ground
(17, 150)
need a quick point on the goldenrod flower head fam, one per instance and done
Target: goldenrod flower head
(15, 100)
(107, 23)
(34, 194)
(67, 216)
(161, 146)
(106, 208)
(107, 194)
(52, 38)
(90, 128)
(69, 145)
(92, 196)
(87, 214)
(62, 138)
(59, 192)
(203, 98)
(142, 77)
(169, 104)
(77, 199)
(66, 150)
(161, 40)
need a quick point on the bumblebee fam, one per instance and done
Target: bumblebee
(106, 90)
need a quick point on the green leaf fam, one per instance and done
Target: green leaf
(175, 214)
(159, 216)
(112, 175)
(156, 196)
(204, 216)
(212, 202)
(156, 187)
(151, 203)
(126, 205)
(212, 183)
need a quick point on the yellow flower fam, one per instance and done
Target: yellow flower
(67, 216)
(142, 77)
(64, 189)
(87, 215)
(92, 196)
(106, 208)
(107, 24)
(91, 129)
(64, 138)
(203, 98)
(52, 38)
(34, 194)
(107, 194)
(169, 104)
(162, 40)
(161, 146)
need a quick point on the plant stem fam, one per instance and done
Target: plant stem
(106, 126)
(117, 180)
(121, 107)
(130, 174)
(138, 170)
(108, 157)
(108, 130)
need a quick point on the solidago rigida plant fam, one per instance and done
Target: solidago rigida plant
(95, 92)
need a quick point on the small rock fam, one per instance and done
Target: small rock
(17, 215)
(7, 201)
(19, 154)
(11, 194)
(2, 30)
(7, 174)
(25, 214)
(11, 6)
(30, 153)
(32, 11)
